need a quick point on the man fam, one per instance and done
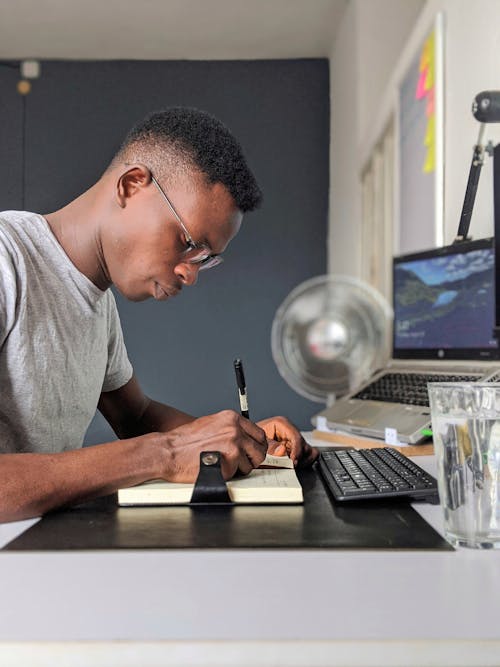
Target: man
(165, 209)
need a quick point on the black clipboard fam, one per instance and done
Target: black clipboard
(318, 523)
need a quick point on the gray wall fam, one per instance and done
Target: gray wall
(182, 351)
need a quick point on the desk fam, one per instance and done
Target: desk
(250, 607)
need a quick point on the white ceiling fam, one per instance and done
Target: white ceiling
(168, 29)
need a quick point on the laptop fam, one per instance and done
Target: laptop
(444, 314)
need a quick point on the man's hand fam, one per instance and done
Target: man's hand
(284, 439)
(243, 446)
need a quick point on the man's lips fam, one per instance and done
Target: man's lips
(162, 294)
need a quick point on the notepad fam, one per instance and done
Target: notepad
(275, 482)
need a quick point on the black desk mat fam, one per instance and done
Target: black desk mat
(318, 523)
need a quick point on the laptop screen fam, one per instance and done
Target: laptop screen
(444, 303)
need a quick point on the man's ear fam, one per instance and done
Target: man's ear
(131, 181)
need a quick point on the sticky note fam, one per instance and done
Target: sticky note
(391, 436)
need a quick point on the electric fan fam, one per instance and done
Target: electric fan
(329, 335)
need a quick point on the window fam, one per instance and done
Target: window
(377, 226)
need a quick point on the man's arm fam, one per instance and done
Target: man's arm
(32, 484)
(131, 413)
(158, 441)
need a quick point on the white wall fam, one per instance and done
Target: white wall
(345, 192)
(383, 27)
(369, 41)
(472, 64)
(380, 36)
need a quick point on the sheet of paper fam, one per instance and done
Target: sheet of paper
(267, 477)
(276, 462)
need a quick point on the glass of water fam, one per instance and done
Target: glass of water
(466, 431)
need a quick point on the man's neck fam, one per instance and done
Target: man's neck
(77, 229)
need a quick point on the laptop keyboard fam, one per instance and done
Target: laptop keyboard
(408, 388)
(375, 473)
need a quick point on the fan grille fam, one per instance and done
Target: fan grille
(329, 335)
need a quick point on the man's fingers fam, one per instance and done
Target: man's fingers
(255, 443)
(245, 465)
(255, 432)
(277, 448)
(297, 447)
(309, 455)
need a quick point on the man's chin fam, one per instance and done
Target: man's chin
(133, 296)
(158, 293)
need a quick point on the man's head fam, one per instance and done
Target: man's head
(181, 183)
(181, 140)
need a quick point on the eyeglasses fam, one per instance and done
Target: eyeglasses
(195, 253)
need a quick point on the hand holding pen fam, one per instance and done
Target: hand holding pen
(283, 438)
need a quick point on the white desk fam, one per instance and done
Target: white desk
(250, 607)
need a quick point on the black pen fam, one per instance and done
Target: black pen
(242, 388)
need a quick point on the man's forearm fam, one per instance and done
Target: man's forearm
(158, 417)
(131, 413)
(32, 484)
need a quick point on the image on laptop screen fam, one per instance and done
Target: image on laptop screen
(444, 301)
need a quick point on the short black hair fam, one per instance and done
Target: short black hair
(196, 139)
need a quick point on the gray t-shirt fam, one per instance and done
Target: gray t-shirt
(61, 343)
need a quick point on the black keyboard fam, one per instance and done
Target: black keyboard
(375, 473)
(408, 388)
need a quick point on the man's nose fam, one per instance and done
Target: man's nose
(187, 272)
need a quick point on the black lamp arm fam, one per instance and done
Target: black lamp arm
(470, 192)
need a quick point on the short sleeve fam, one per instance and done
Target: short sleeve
(118, 369)
(8, 290)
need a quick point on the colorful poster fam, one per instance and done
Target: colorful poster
(425, 94)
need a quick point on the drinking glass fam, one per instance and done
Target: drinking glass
(466, 431)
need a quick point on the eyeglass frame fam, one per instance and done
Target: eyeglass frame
(203, 263)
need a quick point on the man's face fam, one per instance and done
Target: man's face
(146, 251)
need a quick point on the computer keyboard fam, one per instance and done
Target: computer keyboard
(408, 388)
(375, 473)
